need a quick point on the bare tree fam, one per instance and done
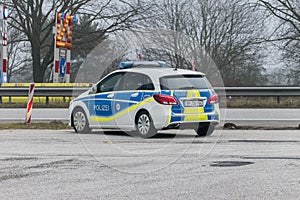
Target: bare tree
(286, 36)
(18, 51)
(36, 18)
(288, 12)
(228, 31)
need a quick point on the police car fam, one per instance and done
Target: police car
(144, 97)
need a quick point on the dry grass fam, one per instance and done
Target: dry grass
(263, 102)
(55, 125)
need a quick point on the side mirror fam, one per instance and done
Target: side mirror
(93, 90)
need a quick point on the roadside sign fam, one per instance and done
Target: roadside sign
(62, 67)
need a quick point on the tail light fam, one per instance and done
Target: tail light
(213, 99)
(165, 100)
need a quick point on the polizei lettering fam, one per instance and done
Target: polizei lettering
(103, 108)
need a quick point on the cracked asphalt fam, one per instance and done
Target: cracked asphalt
(230, 164)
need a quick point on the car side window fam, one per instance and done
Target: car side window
(136, 81)
(109, 83)
(147, 84)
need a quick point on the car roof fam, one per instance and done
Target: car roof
(161, 72)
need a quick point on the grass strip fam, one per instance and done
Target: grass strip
(54, 125)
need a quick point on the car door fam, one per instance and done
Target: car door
(101, 104)
(128, 97)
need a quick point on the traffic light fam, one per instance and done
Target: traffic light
(64, 28)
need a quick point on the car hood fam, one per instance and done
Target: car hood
(84, 94)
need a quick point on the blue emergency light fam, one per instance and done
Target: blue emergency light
(125, 65)
(131, 64)
(162, 64)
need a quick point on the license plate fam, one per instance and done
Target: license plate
(193, 103)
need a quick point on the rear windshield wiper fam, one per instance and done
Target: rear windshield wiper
(187, 88)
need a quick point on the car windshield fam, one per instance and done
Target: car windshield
(184, 82)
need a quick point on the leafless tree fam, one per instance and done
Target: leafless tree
(288, 12)
(18, 51)
(229, 32)
(286, 35)
(35, 20)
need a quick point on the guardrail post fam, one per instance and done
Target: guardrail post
(47, 100)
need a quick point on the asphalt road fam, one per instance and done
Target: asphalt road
(38, 114)
(44, 164)
(242, 117)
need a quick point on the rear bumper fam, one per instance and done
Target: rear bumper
(199, 117)
(186, 121)
(191, 125)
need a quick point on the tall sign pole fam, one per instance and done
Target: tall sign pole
(3, 43)
(63, 32)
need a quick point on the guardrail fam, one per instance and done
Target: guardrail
(228, 91)
(259, 91)
(42, 92)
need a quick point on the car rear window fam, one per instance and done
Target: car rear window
(184, 82)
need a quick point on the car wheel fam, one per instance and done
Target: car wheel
(205, 130)
(144, 125)
(80, 121)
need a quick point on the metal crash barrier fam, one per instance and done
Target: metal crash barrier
(44, 92)
(65, 92)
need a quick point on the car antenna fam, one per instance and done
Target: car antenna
(175, 69)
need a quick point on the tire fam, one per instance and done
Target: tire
(203, 131)
(80, 122)
(144, 125)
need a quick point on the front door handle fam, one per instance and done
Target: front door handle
(110, 96)
(135, 94)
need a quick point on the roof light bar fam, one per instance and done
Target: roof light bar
(131, 64)
(125, 65)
